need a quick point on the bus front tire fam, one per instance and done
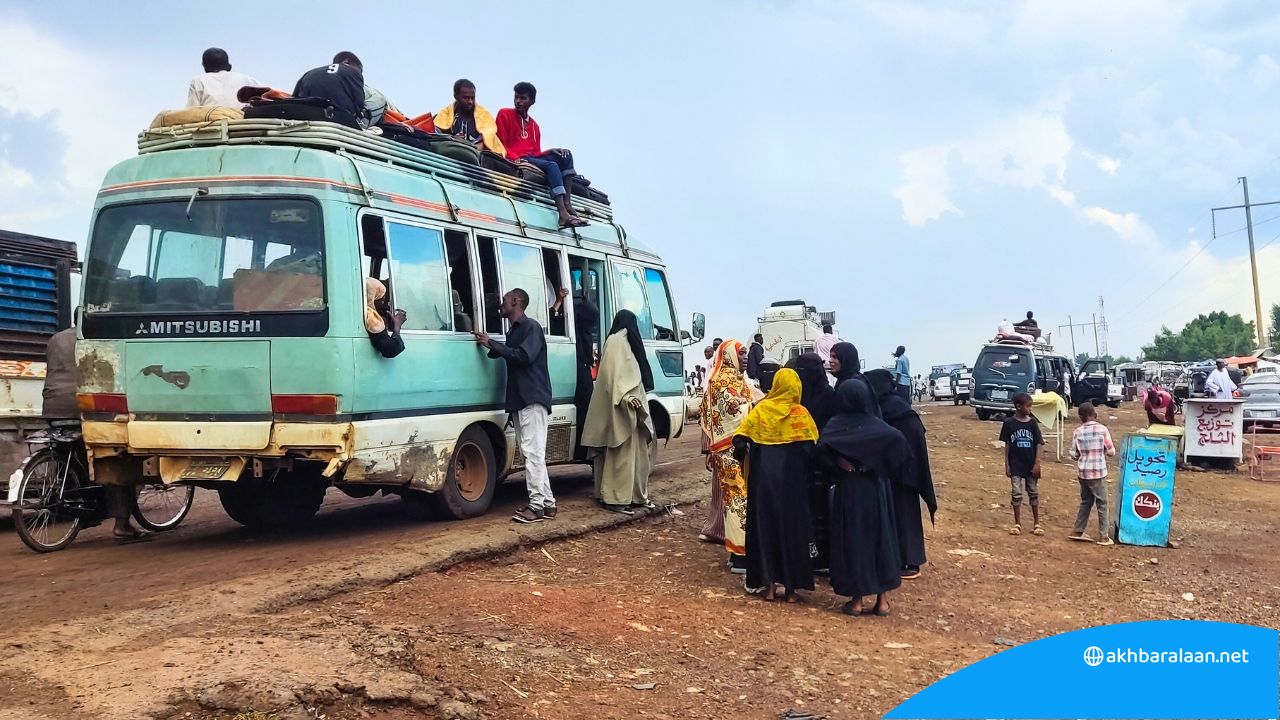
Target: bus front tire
(473, 477)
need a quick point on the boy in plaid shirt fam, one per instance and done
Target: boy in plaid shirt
(1089, 448)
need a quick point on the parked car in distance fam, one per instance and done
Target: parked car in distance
(961, 386)
(941, 388)
(1261, 400)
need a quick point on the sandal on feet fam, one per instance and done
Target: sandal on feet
(881, 612)
(1079, 537)
(850, 608)
(134, 537)
(1015, 530)
(1106, 542)
(573, 222)
(1038, 530)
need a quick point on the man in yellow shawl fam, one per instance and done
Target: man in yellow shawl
(469, 121)
(725, 405)
(618, 429)
(773, 443)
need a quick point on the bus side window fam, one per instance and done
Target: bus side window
(489, 287)
(629, 294)
(373, 241)
(522, 268)
(664, 319)
(419, 276)
(460, 286)
(558, 323)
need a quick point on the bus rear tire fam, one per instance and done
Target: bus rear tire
(473, 477)
(287, 500)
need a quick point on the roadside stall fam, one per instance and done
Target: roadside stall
(1214, 428)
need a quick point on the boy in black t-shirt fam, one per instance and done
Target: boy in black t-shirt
(1022, 440)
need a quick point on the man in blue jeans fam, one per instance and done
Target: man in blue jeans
(522, 138)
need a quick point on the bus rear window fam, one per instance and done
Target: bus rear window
(224, 255)
(1004, 363)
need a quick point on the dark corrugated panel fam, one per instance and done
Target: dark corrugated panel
(21, 243)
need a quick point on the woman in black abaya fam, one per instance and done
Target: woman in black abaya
(846, 365)
(865, 456)
(819, 399)
(916, 482)
(774, 441)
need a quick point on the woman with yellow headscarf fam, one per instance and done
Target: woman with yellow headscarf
(774, 441)
(725, 405)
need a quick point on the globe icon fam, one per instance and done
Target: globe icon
(1093, 656)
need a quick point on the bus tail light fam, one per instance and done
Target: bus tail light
(115, 403)
(304, 404)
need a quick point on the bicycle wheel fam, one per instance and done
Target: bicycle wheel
(39, 515)
(161, 507)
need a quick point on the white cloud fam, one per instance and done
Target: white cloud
(14, 178)
(1129, 226)
(1105, 163)
(1264, 73)
(1028, 150)
(926, 185)
(49, 79)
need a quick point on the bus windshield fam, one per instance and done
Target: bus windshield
(1010, 363)
(223, 255)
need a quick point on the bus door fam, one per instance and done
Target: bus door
(585, 274)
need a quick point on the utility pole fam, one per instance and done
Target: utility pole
(1253, 256)
(1097, 337)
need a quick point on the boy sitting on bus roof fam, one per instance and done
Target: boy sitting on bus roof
(522, 138)
(469, 121)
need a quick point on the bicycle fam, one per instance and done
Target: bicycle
(56, 499)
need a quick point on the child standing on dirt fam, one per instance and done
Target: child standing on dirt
(1022, 440)
(1089, 448)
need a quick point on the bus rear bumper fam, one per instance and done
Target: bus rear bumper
(178, 451)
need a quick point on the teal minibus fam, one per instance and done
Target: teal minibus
(222, 338)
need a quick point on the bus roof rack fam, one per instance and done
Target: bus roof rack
(331, 136)
(1034, 344)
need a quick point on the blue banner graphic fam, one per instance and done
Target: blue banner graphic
(1157, 669)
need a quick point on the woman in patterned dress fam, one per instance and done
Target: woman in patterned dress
(725, 405)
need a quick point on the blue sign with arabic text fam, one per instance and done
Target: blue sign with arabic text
(1146, 490)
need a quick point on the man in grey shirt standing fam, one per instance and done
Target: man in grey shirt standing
(528, 399)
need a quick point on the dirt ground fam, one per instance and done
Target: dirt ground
(371, 614)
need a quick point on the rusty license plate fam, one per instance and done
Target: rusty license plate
(206, 469)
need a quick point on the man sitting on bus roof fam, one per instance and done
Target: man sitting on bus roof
(522, 138)
(218, 84)
(468, 121)
(341, 83)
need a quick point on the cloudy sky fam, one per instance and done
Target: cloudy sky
(923, 169)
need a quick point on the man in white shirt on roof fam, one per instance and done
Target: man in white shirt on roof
(218, 84)
(824, 344)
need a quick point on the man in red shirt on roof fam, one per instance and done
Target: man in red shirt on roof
(522, 138)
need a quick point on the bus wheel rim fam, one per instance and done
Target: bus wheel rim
(471, 472)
